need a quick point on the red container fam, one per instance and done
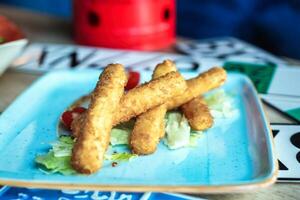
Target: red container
(128, 24)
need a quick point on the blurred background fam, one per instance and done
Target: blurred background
(273, 25)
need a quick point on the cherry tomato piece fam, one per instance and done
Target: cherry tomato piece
(133, 80)
(68, 116)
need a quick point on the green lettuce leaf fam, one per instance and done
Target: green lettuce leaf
(55, 164)
(117, 157)
(221, 104)
(63, 147)
(59, 156)
(177, 131)
(119, 136)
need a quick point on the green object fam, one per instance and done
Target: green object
(63, 147)
(59, 156)
(294, 113)
(55, 164)
(119, 136)
(117, 157)
(221, 104)
(260, 74)
(177, 131)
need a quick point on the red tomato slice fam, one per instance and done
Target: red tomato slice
(68, 116)
(67, 119)
(133, 80)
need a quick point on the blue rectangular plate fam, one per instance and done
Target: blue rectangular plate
(234, 156)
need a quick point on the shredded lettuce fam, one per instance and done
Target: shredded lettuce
(117, 157)
(221, 104)
(177, 131)
(55, 164)
(63, 147)
(119, 136)
(59, 156)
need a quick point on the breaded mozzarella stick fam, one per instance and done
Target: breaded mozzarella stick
(92, 142)
(197, 113)
(150, 126)
(149, 95)
(142, 98)
(199, 85)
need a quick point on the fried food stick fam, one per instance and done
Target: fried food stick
(197, 113)
(213, 78)
(149, 95)
(150, 126)
(140, 99)
(164, 68)
(90, 146)
(197, 86)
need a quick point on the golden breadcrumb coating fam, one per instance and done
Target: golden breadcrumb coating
(150, 126)
(147, 131)
(163, 68)
(197, 86)
(144, 97)
(92, 142)
(213, 78)
(197, 113)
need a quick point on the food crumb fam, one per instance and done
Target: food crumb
(114, 164)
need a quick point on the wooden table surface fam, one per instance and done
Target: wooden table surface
(43, 28)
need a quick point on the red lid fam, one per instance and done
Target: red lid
(129, 24)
